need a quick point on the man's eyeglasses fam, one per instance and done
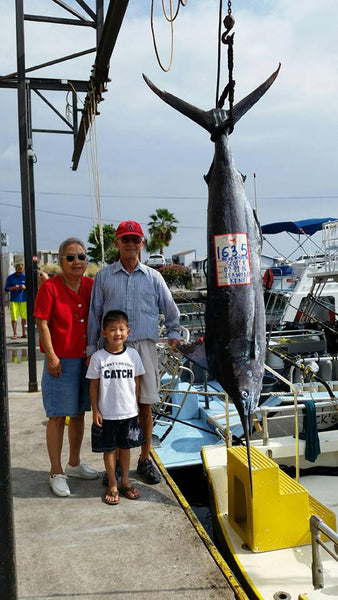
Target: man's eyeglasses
(71, 257)
(135, 239)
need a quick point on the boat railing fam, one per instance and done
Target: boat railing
(330, 245)
(170, 372)
(317, 526)
(257, 417)
(284, 413)
(266, 415)
(283, 281)
(275, 305)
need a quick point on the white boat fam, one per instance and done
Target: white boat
(281, 540)
(192, 409)
(271, 538)
(303, 289)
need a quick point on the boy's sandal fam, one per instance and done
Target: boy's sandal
(130, 492)
(109, 495)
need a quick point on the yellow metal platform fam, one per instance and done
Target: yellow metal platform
(278, 513)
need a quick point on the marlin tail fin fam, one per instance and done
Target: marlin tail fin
(215, 120)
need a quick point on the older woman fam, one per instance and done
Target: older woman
(61, 312)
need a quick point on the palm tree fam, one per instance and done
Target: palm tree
(95, 252)
(161, 229)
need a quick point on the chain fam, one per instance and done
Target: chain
(228, 91)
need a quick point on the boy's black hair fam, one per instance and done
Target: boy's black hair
(114, 315)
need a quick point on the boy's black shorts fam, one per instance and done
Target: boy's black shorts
(124, 434)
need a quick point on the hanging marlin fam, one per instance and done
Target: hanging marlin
(235, 314)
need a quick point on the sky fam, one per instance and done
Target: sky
(143, 155)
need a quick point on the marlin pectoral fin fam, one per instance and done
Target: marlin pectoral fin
(195, 352)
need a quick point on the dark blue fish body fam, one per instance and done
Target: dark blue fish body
(235, 315)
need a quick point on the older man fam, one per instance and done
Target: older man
(142, 293)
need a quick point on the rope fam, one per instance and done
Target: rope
(171, 20)
(95, 172)
(92, 165)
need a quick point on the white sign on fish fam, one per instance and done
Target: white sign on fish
(232, 259)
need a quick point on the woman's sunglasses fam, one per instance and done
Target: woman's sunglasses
(71, 257)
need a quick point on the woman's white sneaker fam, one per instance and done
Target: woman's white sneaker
(82, 471)
(59, 485)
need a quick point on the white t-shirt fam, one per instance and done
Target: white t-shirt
(117, 372)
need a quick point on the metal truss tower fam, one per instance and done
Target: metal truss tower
(107, 26)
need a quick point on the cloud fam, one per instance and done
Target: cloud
(10, 153)
(149, 156)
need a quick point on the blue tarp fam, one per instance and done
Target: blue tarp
(306, 226)
(282, 270)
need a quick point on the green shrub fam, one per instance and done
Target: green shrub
(176, 275)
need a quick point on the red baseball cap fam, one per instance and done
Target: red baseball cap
(129, 228)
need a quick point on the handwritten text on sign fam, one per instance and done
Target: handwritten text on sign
(232, 259)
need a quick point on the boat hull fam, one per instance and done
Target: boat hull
(281, 573)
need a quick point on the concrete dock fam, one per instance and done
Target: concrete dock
(80, 548)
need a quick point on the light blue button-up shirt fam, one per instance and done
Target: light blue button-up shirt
(142, 294)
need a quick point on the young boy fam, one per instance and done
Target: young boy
(114, 372)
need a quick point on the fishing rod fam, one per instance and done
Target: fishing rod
(184, 423)
(307, 369)
(218, 432)
(306, 312)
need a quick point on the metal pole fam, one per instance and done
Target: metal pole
(28, 216)
(317, 565)
(31, 159)
(256, 207)
(8, 584)
(99, 20)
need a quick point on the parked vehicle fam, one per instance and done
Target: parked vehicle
(156, 261)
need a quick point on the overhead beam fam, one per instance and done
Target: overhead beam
(56, 85)
(99, 78)
(49, 63)
(71, 10)
(87, 9)
(60, 21)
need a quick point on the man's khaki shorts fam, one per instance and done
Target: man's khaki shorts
(150, 381)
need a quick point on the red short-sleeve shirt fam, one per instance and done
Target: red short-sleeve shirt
(67, 314)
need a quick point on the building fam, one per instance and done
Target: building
(48, 257)
(184, 258)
